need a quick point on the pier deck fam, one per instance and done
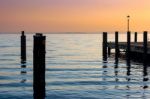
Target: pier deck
(135, 47)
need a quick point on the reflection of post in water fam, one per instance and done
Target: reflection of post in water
(145, 78)
(116, 72)
(23, 71)
(128, 69)
(104, 74)
(39, 66)
(128, 63)
(128, 72)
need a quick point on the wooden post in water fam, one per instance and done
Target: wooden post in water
(116, 46)
(145, 47)
(128, 46)
(23, 47)
(104, 46)
(135, 37)
(39, 66)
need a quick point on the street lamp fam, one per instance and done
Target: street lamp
(128, 20)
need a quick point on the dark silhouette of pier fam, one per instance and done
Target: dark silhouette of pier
(139, 51)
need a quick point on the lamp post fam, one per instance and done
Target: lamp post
(128, 24)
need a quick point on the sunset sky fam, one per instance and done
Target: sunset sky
(73, 15)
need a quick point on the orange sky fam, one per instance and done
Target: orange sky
(73, 15)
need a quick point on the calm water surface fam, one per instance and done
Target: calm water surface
(74, 70)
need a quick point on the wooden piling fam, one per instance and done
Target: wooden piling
(104, 46)
(128, 50)
(135, 37)
(145, 78)
(23, 47)
(145, 47)
(39, 66)
(128, 46)
(116, 46)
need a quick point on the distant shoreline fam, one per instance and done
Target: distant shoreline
(64, 32)
(52, 33)
(56, 33)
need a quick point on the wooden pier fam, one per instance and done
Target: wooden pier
(134, 50)
(135, 47)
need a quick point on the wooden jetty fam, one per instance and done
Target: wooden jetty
(135, 47)
(134, 50)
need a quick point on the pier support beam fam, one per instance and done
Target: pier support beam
(39, 66)
(116, 47)
(104, 46)
(145, 47)
(23, 47)
(135, 37)
(128, 46)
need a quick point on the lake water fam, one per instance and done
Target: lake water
(74, 70)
